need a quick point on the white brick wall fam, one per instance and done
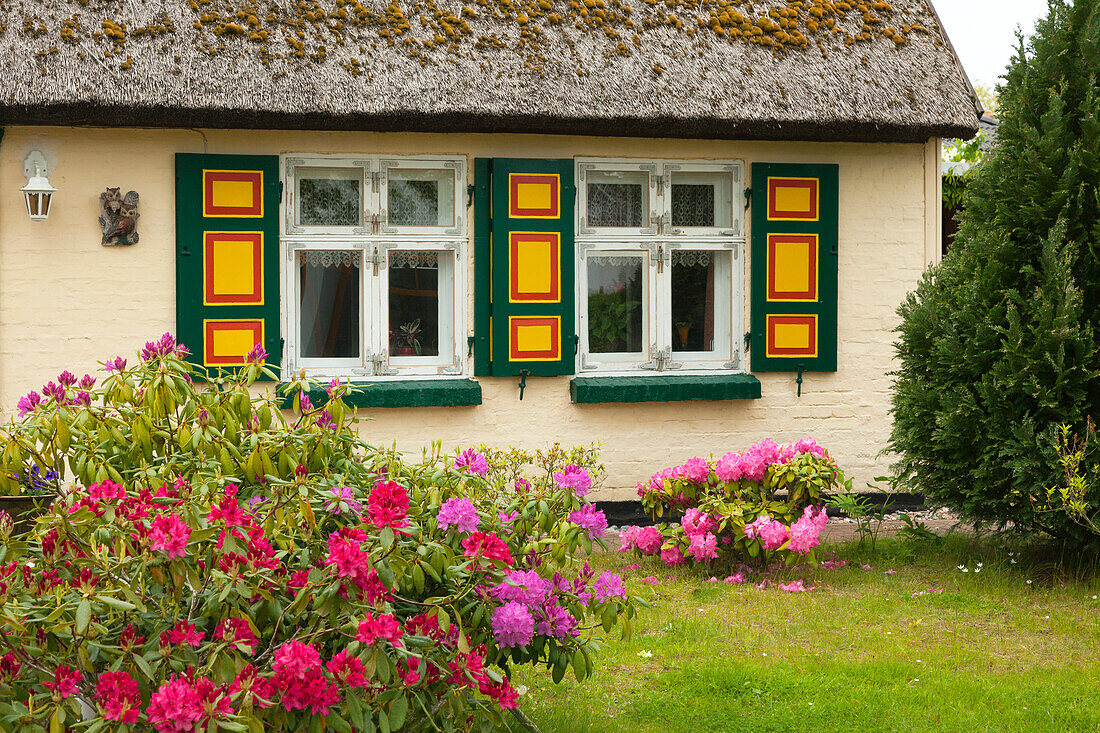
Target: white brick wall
(67, 302)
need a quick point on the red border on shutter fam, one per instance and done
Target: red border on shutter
(212, 325)
(551, 354)
(812, 276)
(812, 214)
(810, 350)
(210, 177)
(209, 262)
(551, 179)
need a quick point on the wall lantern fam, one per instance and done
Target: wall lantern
(38, 191)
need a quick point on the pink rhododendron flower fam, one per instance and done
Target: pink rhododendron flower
(228, 511)
(342, 496)
(28, 402)
(185, 633)
(805, 532)
(346, 552)
(170, 534)
(753, 466)
(736, 578)
(672, 556)
(65, 681)
(728, 467)
(524, 586)
(388, 505)
(649, 540)
(591, 519)
(385, 626)
(117, 364)
(472, 461)
(771, 532)
(796, 587)
(488, 546)
(507, 517)
(261, 690)
(696, 523)
(555, 621)
(608, 585)
(628, 538)
(118, 696)
(106, 491)
(704, 547)
(697, 469)
(348, 669)
(236, 631)
(513, 625)
(459, 513)
(574, 477)
(175, 707)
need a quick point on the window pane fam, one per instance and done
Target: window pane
(616, 297)
(702, 199)
(618, 199)
(421, 197)
(329, 304)
(420, 297)
(329, 196)
(699, 299)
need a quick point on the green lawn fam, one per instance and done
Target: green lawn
(860, 653)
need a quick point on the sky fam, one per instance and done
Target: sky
(984, 32)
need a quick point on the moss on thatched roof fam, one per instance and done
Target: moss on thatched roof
(779, 69)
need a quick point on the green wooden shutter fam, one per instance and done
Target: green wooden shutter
(227, 257)
(523, 280)
(794, 267)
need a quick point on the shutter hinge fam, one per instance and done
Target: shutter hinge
(470, 195)
(280, 191)
(748, 198)
(748, 340)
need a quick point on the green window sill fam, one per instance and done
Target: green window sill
(404, 393)
(664, 388)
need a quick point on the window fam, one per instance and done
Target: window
(374, 265)
(659, 258)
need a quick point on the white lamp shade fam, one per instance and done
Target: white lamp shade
(39, 194)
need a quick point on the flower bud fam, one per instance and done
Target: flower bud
(7, 525)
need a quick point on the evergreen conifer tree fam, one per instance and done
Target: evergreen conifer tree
(999, 345)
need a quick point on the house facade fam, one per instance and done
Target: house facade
(674, 237)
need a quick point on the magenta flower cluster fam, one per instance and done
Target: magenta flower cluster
(574, 477)
(590, 518)
(472, 461)
(458, 513)
(752, 465)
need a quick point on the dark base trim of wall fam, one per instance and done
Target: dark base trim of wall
(664, 388)
(404, 393)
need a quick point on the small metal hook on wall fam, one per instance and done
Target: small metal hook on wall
(798, 380)
(523, 374)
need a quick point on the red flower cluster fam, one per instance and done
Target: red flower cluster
(470, 667)
(237, 632)
(65, 680)
(300, 676)
(385, 627)
(181, 704)
(487, 545)
(388, 505)
(118, 696)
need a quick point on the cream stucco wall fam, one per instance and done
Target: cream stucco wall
(66, 301)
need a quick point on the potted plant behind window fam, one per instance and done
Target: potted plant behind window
(36, 491)
(682, 330)
(408, 343)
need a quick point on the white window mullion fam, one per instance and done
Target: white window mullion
(661, 307)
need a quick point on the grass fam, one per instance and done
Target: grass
(866, 651)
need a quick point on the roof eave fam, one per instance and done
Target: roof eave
(85, 115)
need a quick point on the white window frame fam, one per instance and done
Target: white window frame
(659, 240)
(375, 239)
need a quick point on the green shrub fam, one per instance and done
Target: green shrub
(210, 565)
(998, 345)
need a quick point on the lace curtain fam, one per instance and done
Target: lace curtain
(401, 259)
(328, 202)
(615, 205)
(332, 258)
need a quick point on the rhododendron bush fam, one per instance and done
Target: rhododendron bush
(765, 503)
(212, 564)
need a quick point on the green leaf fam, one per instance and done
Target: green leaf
(116, 603)
(398, 712)
(83, 615)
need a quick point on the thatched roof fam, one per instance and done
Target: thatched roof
(771, 69)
